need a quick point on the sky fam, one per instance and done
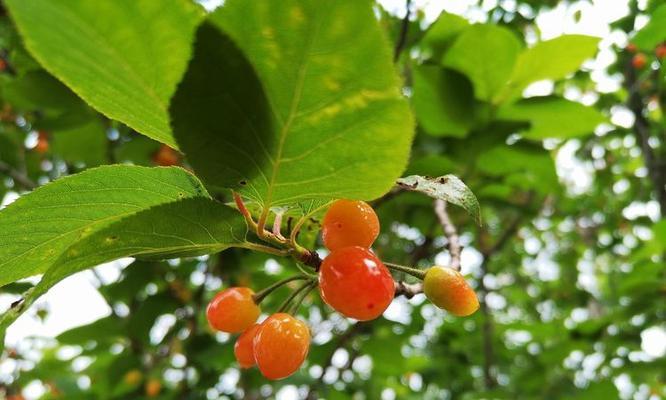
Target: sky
(75, 301)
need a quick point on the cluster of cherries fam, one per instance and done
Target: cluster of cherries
(351, 280)
(640, 60)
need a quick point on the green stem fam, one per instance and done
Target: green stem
(285, 305)
(297, 301)
(415, 272)
(261, 295)
(264, 249)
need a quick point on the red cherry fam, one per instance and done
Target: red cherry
(631, 48)
(356, 283)
(166, 156)
(349, 223)
(42, 145)
(244, 347)
(447, 288)
(639, 61)
(660, 51)
(233, 310)
(280, 345)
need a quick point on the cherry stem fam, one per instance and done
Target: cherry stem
(298, 301)
(285, 305)
(415, 272)
(262, 294)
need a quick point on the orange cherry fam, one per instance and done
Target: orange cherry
(280, 345)
(233, 310)
(166, 156)
(244, 347)
(639, 61)
(349, 223)
(447, 288)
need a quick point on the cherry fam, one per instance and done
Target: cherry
(349, 223)
(639, 61)
(233, 310)
(42, 145)
(356, 283)
(280, 345)
(166, 156)
(133, 377)
(631, 48)
(447, 289)
(244, 347)
(660, 51)
(153, 387)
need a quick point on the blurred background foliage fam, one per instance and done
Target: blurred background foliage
(566, 157)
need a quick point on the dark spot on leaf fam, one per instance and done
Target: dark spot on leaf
(242, 183)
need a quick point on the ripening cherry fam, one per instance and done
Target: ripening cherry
(639, 61)
(631, 48)
(153, 387)
(660, 51)
(354, 282)
(349, 223)
(133, 377)
(244, 347)
(42, 145)
(3, 65)
(446, 288)
(233, 310)
(281, 344)
(166, 156)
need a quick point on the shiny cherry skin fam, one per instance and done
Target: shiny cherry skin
(355, 283)
(349, 223)
(447, 289)
(280, 345)
(244, 347)
(233, 310)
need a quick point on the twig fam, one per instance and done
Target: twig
(404, 28)
(17, 176)
(408, 290)
(641, 130)
(450, 232)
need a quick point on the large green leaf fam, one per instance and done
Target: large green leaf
(40, 226)
(552, 117)
(190, 227)
(654, 32)
(486, 54)
(318, 114)
(552, 59)
(443, 101)
(442, 33)
(123, 57)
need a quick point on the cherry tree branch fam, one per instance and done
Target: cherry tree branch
(451, 233)
(404, 28)
(17, 176)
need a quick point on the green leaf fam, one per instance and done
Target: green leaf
(486, 54)
(186, 228)
(552, 117)
(552, 59)
(654, 32)
(442, 33)
(529, 167)
(322, 118)
(443, 101)
(40, 226)
(123, 57)
(448, 188)
(86, 143)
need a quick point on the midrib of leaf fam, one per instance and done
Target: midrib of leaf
(293, 108)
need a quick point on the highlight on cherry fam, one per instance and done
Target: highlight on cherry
(351, 279)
